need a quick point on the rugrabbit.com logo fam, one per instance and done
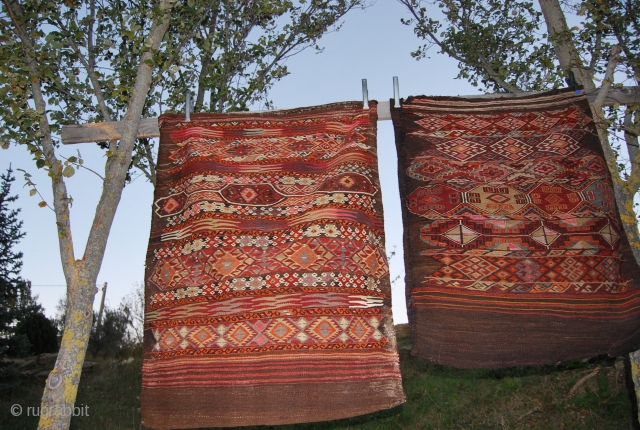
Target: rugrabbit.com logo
(18, 410)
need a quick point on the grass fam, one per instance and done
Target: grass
(437, 398)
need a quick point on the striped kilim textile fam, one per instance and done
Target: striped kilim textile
(267, 285)
(514, 251)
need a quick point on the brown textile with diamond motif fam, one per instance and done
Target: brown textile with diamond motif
(514, 250)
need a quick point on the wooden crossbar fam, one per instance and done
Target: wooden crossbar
(107, 131)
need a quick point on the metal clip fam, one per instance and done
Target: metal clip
(396, 92)
(187, 107)
(365, 95)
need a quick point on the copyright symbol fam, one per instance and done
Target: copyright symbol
(16, 410)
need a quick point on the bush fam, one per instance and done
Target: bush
(112, 338)
(40, 331)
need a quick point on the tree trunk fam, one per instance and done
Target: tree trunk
(624, 191)
(562, 39)
(62, 384)
(635, 375)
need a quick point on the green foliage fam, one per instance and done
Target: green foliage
(611, 22)
(497, 43)
(23, 326)
(40, 331)
(500, 45)
(10, 263)
(88, 54)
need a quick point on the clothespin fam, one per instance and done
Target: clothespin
(396, 92)
(187, 107)
(572, 83)
(365, 95)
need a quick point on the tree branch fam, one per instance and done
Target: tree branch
(95, 83)
(596, 52)
(482, 64)
(60, 196)
(631, 138)
(118, 163)
(624, 191)
(562, 40)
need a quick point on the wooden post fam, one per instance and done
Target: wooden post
(107, 131)
(104, 293)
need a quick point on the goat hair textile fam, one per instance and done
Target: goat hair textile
(514, 250)
(267, 284)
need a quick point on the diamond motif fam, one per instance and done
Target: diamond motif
(324, 329)
(302, 323)
(202, 336)
(432, 123)
(544, 235)
(240, 334)
(571, 269)
(281, 330)
(372, 261)
(461, 149)
(260, 339)
(512, 149)
(302, 337)
(303, 256)
(429, 169)
(498, 198)
(248, 194)
(347, 181)
(527, 270)
(543, 122)
(170, 339)
(227, 263)
(171, 205)
(359, 329)
(510, 123)
(169, 274)
(559, 144)
(545, 168)
(461, 234)
(472, 122)
(475, 267)
(610, 268)
(609, 234)
(490, 172)
(375, 322)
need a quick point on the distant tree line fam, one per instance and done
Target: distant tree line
(24, 328)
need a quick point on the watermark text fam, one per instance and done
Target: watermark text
(50, 411)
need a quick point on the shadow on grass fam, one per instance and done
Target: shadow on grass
(438, 397)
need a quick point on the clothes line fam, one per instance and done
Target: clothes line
(106, 131)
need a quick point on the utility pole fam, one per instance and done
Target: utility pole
(104, 293)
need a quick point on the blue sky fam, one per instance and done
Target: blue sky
(371, 45)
